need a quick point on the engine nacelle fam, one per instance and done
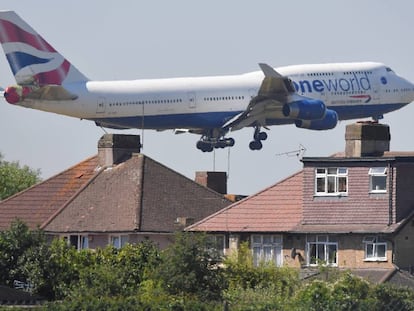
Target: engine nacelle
(17, 93)
(306, 109)
(328, 122)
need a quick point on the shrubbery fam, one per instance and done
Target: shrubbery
(189, 275)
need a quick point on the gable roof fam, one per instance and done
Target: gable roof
(276, 208)
(36, 204)
(138, 194)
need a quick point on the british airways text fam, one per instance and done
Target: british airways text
(352, 83)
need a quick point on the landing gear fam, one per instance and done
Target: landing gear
(207, 144)
(258, 137)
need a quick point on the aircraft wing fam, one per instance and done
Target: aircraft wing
(272, 95)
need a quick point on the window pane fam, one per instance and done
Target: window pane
(256, 256)
(267, 239)
(332, 171)
(342, 184)
(381, 249)
(321, 253)
(320, 171)
(332, 253)
(257, 239)
(378, 182)
(331, 184)
(267, 253)
(312, 254)
(320, 184)
(369, 250)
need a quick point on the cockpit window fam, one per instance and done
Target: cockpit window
(389, 69)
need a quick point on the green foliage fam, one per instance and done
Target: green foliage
(347, 293)
(52, 269)
(13, 245)
(390, 297)
(186, 276)
(14, 178)
(191, 267)
(241, 273)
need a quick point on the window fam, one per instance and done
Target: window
(377, 179)
(331, 181)
(322, 249)
(118, 241)
(78, 241)
(267, 248)
(375, 248)
(217, 242)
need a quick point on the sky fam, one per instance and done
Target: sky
(117, 40)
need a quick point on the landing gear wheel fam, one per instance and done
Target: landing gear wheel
(255, 145)
(262, 136)
(204, 146)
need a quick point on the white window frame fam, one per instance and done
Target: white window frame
(331, 178)
(374, 173)
(322, 243)
(372, 246)
(267, 248)
(118, 240)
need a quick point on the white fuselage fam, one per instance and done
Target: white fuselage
(353, 90)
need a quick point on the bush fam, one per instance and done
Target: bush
(191, 267)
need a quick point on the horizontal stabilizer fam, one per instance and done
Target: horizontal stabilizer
(51, 92)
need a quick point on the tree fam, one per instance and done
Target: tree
(190, 266)
(13, 245)
(14, 178)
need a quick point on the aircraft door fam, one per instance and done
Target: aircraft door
(191, 96)
(101, 105)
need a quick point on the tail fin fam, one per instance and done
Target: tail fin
(32, 60)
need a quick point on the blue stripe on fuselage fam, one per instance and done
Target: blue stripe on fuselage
(210, 120)
(172, 121)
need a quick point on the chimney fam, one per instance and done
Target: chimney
(116, 148)
(216, 181)
(367, 139)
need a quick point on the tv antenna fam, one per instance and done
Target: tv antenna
(298, 153)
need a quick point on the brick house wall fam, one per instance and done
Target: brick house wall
(344, 209)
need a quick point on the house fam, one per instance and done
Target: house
(117, 196)
(351, 211)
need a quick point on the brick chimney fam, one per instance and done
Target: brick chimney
(367, 139)
(116, 148)
(216, 181)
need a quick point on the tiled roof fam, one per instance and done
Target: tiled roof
(139, 194)
(36, 204)
(275, 209)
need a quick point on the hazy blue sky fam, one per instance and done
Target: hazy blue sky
(153, 39)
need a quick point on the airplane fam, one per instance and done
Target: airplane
(314, 96)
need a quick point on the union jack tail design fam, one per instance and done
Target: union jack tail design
(32, 60)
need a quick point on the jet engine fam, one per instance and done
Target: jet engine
(328, 122)
(17, 93)
(306, 109)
